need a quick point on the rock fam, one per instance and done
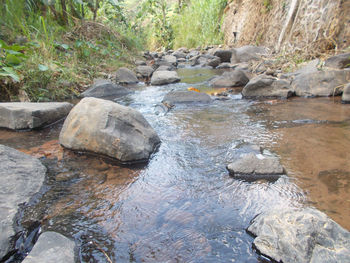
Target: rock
(300, 235)
(21, 176)
(213, 62)
(193, 53)
(164, 77)
(321, 83)
(225, 65)
(110, 129)
(264, 86)
(224, 55)
(140, 63)
(103, 88)
(51, 247)
(163, 63)
(144, 71)
(247, 53)
(346, 94)
(253, 166)
(126, 76)
(179, 54)
(165, 68)
(236, 78)
(181, 60)
(170, 59)
(185, 96)
(30, 115)
(339, 61)
(182, 49)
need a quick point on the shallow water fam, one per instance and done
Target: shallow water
(183, 206)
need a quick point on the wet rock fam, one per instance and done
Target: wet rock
(193, 53)
(161, 63)
(179, 54)
(247, 53)
(235, 78)
(300, 235)
(253, 166)
(21, 176)
(107, 128)
(321, 83)
(29, 115)
(126, 76)
(170, 59)
(144, 71)
(175, 97)
(225, 65)
(164, 77)
(213, 62)
(339, 61)
(346, 94)
(165, 68)
(51, 247)
(224, 55)
(181, 60)
(103, 88)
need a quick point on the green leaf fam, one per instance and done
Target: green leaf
(78, 43)
(43, 67)
(12, 59)
(9, 72)
(65, 46)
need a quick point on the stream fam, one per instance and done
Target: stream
(183, 206)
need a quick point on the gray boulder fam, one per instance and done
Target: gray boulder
(253, 166)
(321, 83)
(165, 68)
(103, 88)
(30, 115)
(224, 55)
(164, 77)
(213, 62)
(144, 71)
(176, 97)
(346, 94)
(247, 53)
(235, 78)
(107, 128)
(51, 247)
(300, 235)
(21, 176)
(162, 63)
(179, 54)
(225, 65)
(339, 61)
(170, 59)
(126, 76)
(140, 63)
(193, 53)
(264, 86)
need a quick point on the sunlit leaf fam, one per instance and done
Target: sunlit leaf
(9, 72)
(12, 59)
(43, 67)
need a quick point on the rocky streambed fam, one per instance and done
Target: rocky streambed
(233, 168)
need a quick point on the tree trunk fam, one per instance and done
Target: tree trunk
(97, 6)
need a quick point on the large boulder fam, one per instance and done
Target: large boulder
(254, 166)
(235, 78)
(300, 235)
(21, 176)
(170, 59)
(247, 53)
(346, 94)
(321, 83)
(107, 128)
(213, 62)
(224, 55)
(103, 88)
(179, 54)
(264, 86)
(164, 77)
(184, 96)
(339, 61)
(144, 71)
(126, 76)
(51, 247)
(30, 115)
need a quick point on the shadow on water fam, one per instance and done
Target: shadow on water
(183, 206)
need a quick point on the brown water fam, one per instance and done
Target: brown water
(183, 206)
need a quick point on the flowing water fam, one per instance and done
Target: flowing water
(183, 206)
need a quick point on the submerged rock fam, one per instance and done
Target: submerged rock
(346, 94)
(30, 115)
(340, 61)
(21, 176)
(110, 129)
(103, 88)
(236, 78)
(164, 77)
(51, 247)
(185, 96)
(253, 166)
(321, 83)
(126, 76)
(264, 86)
(300, 235)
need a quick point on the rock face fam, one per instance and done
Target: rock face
(224, 55)
(264, 86)
(236, 78)
(144, 71)
(247, 53)
(300, 235)
(126, 76)
(107, 128)
(321, 83)
(253, 167)
(51, 247)
(339, 61)
(21, 176)
(346, 94)
(29, 115)
(164, 77)
(175, 97)
(103, 88)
